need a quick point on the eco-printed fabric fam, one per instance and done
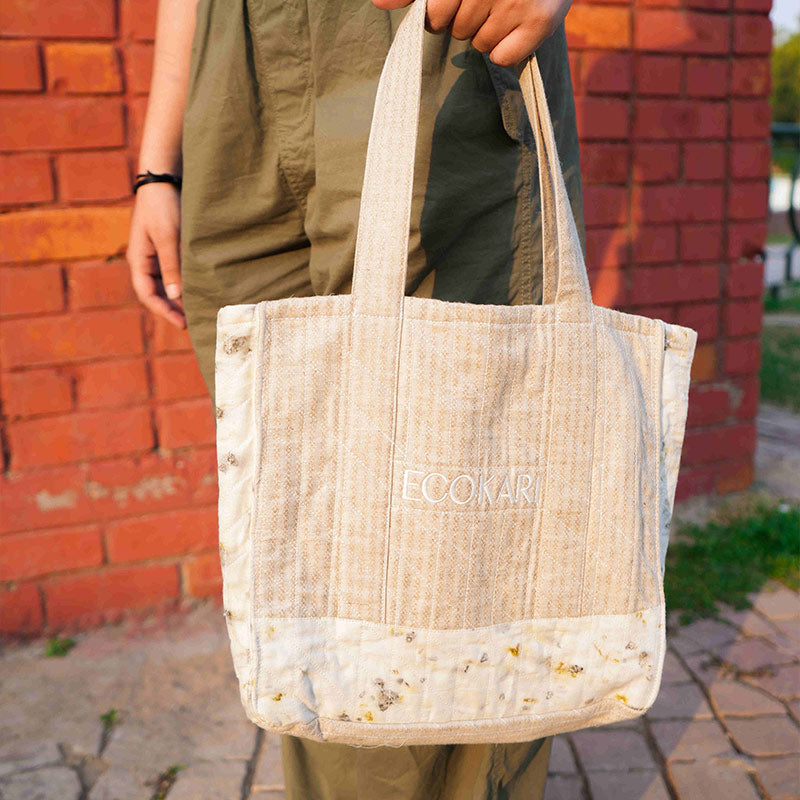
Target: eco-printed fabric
(444, 522)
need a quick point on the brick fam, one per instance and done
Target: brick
(604, 163)
(143, 484)
(60, 123)
(746, 239)
(735, 476)
(745, 279)
(706, 77)
(71, 337)
(202, 576)
(43, 499)
(679, 119)
(606, 27)
(82, 68)
(137, 109)
(166, 534)
(752, 33)
(39, 235)
(105, 384)
(606, 73)
(778, 603)
(704, 365)
(20, 67)
(186, 423)
(615, 749)
(58, 18)
(574, 59)
(750, 77)
(168, 339)
(100, 175)
(680, 31)
(140, 17)
(177, 377)
(706, 779)
(746, 396)
(20, 610)
(765, 736)
(741, 356)
(701, 317)
(750, 119)
(749, 159)
(694, 482)
(748, 200)
(655, 163)
(680, 203)
(743, 317)
(602, 117)
(763, 6)
(717, 444)
(27, 179)
(677, 283)
(30, 290)
(608, 287)
(94, 284)
(703, 161)
(708, 405)
(654, 244)
(783, 682)
(200, 469)
(701, 242)
(36, 391)
(30, 555)
(710, 5)
(701, 739)
(607, 248)
(605, 205)
(47, 441)
(139, 66)
(658, 75)
(75, 599)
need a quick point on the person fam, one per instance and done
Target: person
(263, 107)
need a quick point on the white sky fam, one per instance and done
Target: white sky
(784, 14)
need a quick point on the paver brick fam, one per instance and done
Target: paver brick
(560, 787)
(680, 701)
(780, 777)
(268, 774)
(735, 699)
(612, 750)
(777, 602)
(765, 736)
(751, 654)
(709, 632)
(673, 671)
(561, 758)
(697, 739)
(647, 785)
(221, 780)
(17, 756)
(42, 784)
(782, 682)
(704, 780)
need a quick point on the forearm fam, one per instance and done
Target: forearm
(160, 149)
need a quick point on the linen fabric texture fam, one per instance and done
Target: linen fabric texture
(443, 522)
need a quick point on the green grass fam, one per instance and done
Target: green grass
(58, 648)
(110, 718)
(788, 299)
(780, 366)
(727, 558)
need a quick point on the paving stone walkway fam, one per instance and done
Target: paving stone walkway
(151, 711)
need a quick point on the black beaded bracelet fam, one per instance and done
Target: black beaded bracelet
(152, 177)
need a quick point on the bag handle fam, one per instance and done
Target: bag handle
(381, 255)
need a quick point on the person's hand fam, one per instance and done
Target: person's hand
(509, 30)
(154, 251)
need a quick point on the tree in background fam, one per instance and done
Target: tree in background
(786, 78)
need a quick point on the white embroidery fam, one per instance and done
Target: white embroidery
(506, 488)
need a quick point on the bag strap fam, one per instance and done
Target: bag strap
(381, 255)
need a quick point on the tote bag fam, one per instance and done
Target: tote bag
(444, 522)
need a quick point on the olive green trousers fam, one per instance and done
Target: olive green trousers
(274, 143)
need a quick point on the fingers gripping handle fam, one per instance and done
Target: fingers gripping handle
(381, 256)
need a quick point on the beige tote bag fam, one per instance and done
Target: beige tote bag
(444, 522)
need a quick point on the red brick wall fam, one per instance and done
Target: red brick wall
(107, 501)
